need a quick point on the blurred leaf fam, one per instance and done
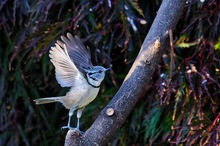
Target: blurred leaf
(217, 45)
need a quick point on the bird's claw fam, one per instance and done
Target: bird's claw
(74, 129)
(66, 127)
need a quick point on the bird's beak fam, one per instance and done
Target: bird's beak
(107, 69)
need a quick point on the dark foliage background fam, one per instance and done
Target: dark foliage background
(181, 106)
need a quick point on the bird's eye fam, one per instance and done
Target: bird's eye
(100, 71)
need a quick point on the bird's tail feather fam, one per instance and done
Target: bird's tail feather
(47, 100)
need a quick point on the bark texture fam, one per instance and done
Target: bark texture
(134, 86)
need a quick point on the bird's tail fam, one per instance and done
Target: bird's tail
(47, 100)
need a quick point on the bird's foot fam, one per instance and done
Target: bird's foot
(66, 127)
(74, 129)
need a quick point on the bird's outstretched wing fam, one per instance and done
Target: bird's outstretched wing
(77, 51)
(66, 71)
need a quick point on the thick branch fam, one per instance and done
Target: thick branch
(134, 86)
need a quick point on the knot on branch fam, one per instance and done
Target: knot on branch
(110, 112)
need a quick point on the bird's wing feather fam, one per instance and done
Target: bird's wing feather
(77, 51)
(66, 71)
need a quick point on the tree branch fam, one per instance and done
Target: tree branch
(134, 86)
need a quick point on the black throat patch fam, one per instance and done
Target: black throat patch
(92, 84)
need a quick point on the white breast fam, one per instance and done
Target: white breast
(80, 95)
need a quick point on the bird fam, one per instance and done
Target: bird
(74, 69)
